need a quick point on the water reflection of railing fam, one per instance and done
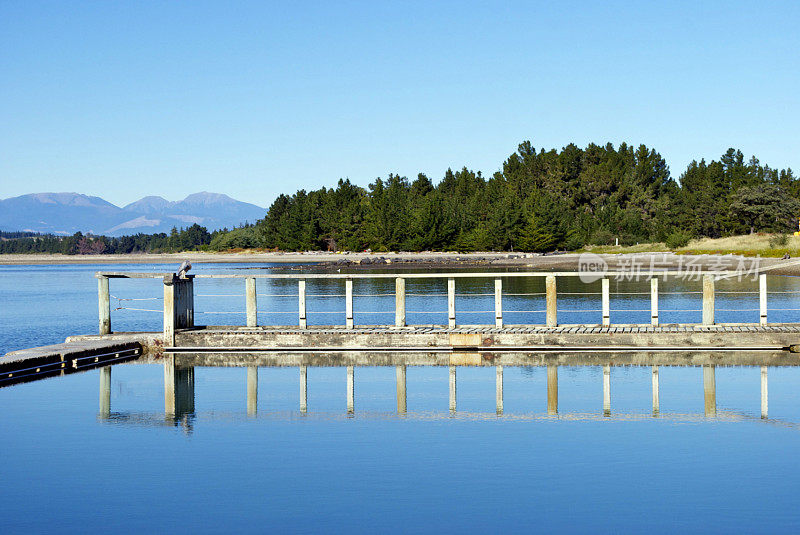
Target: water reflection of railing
(179, 391)
(521, 297)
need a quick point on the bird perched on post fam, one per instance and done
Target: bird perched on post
(186, 266)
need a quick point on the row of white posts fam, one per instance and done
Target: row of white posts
(179, 302)
(551, 313)
(179, 390)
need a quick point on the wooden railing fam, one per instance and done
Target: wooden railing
(179, 294)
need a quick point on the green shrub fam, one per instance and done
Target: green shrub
(678, 239)
(778, 240)
(602, 237)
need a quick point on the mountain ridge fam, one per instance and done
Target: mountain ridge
(65, 213)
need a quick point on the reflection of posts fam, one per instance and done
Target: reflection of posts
(105, 392)
(499, 388)
(178, 389)
(252, 390)
(452, 388)
(402, 406)
(303, 388)
(764, 391)
(552, 389)
(350, 389)
(656, 407)
(710, 390)
(607, 390)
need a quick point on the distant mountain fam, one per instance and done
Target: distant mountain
(68, 213)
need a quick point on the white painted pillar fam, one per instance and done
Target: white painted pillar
(607, 390)
(301, 302)
(762, 298)
(252, 309)
(104, 305)
(654, 301)
(708, 300)
(606, 301)
(451, 303)
(400, 302)
(498, 303)
(552, 306)
(348, 297)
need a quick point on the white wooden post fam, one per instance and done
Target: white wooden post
(252, 309)
(708, 300)
(399, 302)
(654, 301)
(498, 303)
(606, 302)
(762, 298)
(451, 303)
(104, 304)
(301, 301)
(348, 291)
(552, 306)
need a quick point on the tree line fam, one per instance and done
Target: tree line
(540, 201)
(192, 238)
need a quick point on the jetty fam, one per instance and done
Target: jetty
(181, 333)
(523, 334)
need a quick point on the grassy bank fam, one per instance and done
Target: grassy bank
(765, 245)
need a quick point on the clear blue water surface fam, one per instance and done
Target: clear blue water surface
(67, 468)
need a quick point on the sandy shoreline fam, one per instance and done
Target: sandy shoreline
(411, 261)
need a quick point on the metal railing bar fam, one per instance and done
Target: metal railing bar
(626, 275)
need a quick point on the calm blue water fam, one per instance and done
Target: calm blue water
(68, 468)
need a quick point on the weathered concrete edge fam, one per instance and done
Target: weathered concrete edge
(486, 359)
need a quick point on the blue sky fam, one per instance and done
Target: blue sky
(126, 99)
